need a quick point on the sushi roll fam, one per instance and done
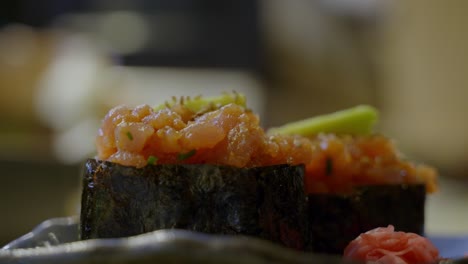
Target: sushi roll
(121, 201)
(190, 164)
(206, 164)
(357, 180)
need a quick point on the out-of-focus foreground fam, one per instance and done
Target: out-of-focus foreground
(62, 66)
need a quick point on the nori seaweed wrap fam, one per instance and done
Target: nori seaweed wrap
(265, 202)
(335, 220)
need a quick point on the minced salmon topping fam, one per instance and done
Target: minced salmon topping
(231, 135)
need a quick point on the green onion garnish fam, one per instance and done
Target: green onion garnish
(199, 103)
(152, 160)
(129, 135)
(184, 156)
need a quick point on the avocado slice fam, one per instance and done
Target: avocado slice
(358, 120)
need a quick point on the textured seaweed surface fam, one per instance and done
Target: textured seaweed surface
(335, 220)
(267, 202)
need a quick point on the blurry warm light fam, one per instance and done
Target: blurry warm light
(68, 84)
(17, 45)
(360, 8)
(77, 143)
(66, 97)
(128, 32)
(123, 32)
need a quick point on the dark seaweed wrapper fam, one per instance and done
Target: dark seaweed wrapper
(266, 202)
(335, 220)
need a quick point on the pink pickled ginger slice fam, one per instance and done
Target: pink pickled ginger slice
(385, 246)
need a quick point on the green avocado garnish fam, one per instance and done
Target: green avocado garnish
(359, 120)
(198, 104)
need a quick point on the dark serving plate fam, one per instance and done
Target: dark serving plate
(56, 241)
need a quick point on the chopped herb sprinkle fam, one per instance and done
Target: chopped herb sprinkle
(152, 160)
(129, 135)
(184, 156)
(328, 166)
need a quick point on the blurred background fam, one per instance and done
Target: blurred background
(64, 63)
